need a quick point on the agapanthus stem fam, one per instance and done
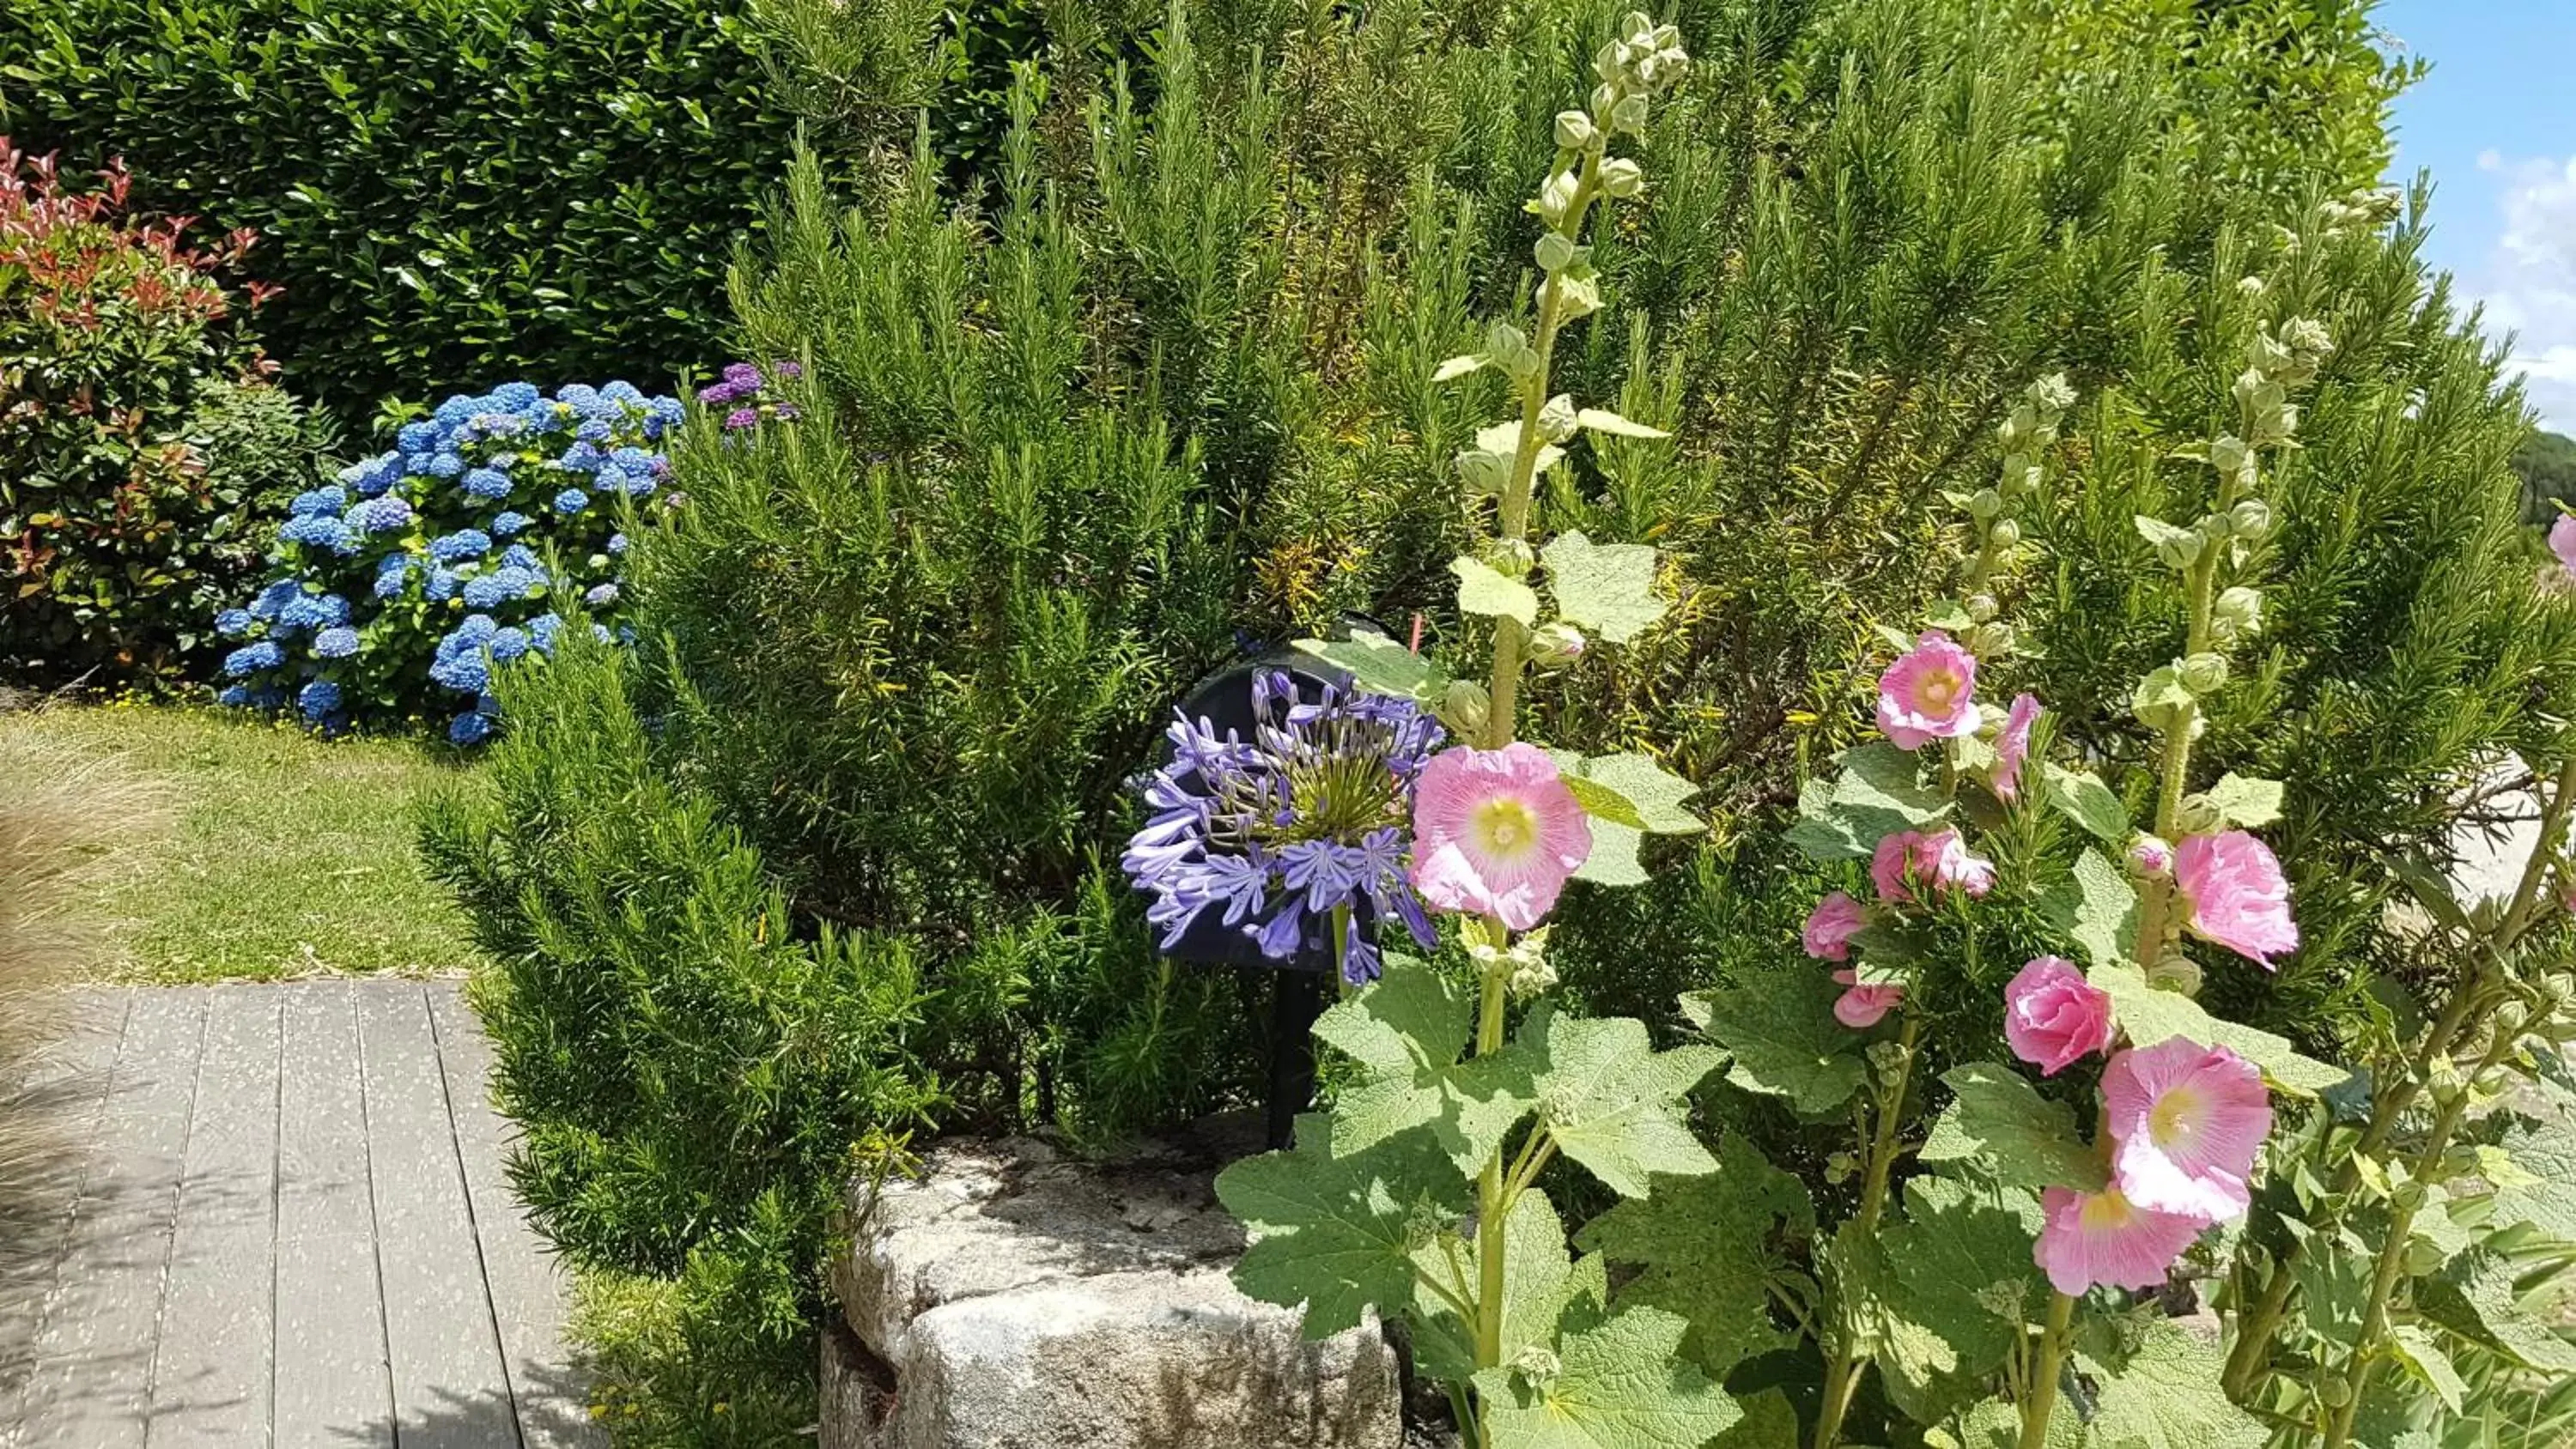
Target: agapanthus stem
(1842, 1373)
(2041, 1405)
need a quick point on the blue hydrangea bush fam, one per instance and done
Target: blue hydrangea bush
(397, 588)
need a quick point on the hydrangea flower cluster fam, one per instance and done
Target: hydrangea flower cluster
(400, 585)
(745, 394)
(1299, 830)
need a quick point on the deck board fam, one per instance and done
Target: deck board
(330, 1304)
(55, 1104)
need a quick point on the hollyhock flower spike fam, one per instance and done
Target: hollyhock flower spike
(2013, 746)
(1909, 860)
(1862, 1007)
(1830, 927)
(1929, 693)
(2235, 894)
(2186, 1121)
(2106, 1240)
(1495, 832)
(2053, 1017)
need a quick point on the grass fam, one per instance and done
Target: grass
(287, 855)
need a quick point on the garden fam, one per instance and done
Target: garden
(1902, 677)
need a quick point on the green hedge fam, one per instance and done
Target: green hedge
(450, 191)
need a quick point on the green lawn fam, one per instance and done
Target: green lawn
(287, 855)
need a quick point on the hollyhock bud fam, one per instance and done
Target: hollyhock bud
(1910, 859)
(1574, 130)
(2005, 533)
(2204, 673)
(2012, 746)
(1862, 1007)
(1556, 419)
(2251, 519)
(2150, 858)
(1555, 643)
(1985, 503)
(2175, 972)
(1622, 178)
(1981, 607)
(1989, 640)
(1465, 707)
(1830, 927)
(2242, 610)
(2053, 1017)
(2199, 815)
(1553, 251)
(1513, 558)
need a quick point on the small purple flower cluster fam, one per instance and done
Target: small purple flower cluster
(741, 392)
(1300, 827)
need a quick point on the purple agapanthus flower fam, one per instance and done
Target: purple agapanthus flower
(1305, 822)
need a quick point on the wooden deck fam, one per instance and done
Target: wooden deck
(280, 1221)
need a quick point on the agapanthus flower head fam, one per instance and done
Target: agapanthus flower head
(2106, 1240)
(1910, 863)
(2186, 1121)
(2053, 1017)
(1497, 833)
(1862, 1007)
(1280, 832)
(2562, 542)
(1830, 927)
(1929, 693)
(2236, 895)
(2012, 746)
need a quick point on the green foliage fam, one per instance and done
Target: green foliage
(2546, 464)
(141, 444)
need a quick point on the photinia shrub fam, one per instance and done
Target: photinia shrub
(139, 435)
(398, 587)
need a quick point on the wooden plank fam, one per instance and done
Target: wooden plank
(93, 1363)
(548, 1388)
(52, 1109)
(450, 1388)
(334, 1385)
(212, 1370)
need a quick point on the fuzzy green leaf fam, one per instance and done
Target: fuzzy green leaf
(1483, 589)
(1336, 1233)
(1880, 781)
(1459, 366)
(2096, 908)
(1381, 665)
(1619, 1387)
(2545, 1196)
(1408, 1029)
(1602, 420)
(1631, 789)
(1707, 1248)
(2246, 803)
(2167, 1396)
(1538, 1275)
(1952, 1285)
(1779, 1026)
(2424, 1358)
(2474, 1297)
(1608, 588)
(2084, 799)
(2009, 1131)
(2149, 1015)
(1614, 1103)
(1613, 861)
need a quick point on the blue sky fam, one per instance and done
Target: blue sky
(2495, 123)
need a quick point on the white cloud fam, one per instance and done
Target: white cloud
(2529, 279)
(2490, 159)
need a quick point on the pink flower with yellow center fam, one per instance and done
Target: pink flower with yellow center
(1830, 927)
(1862, 1007)
(2236, 894)
(2053, 1017)
(1929, 693)
(2106, 1240)
(2186, 1122)
(2013, 746)
(1496, 833)
(1909, 860)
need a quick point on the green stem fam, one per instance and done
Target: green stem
(2041, 1405)
(1842, 1374)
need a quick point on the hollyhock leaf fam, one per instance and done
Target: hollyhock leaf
(1770, 1422)
(1602, 420)
(2167, 1395)
(2334, 1282)
(1780, 1029)
(2475, 1298)
(1336, 1233)
(1381, 666)
(2245, 802)
(1612, 1102)
(1608, 588)
(1483, 589)
(2096, 907)
(1824, 830)
(2092, 805)
(1413, 1016)
(1460, 366)
(1408, 1029)
(2004, 1127)
(1613, 861)
(1708, 1247)
(1631, 789)
(2424, 1358)
(1619, 1387)
(1954, 1287)
(1881, 783)
(2546, 1198)
(2148, 1014)
(1538, 1274)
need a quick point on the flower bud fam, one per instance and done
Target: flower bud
(1629, 115)
(2150, 858)
(2053, 393)
(2178, 549)
(2020, 477)
(1556, 420)
(1465, 707)
(1622, 178)
(2204, 673)
(1603, 98)
(2228, 454)
(1484, 471)
(1556, 197)
(2249, 286)
(1989, 641)
(1981, 608)
(1984, 504)
(2511, 1016)
(2241, 609)
(2199, 816)
(1537, 1363)
(1574, 130)
(1513, 558)
(1553, 250)
(1555, 643)
(2005, 533)
(2251, 519)
(2175, 971)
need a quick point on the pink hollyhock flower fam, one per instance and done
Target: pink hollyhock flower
(2104, 1239)
(1495, 832)
(1863, 1007)
(1929, 693)
(1938, 861)
(2236, 895)
(1830, 927)
(2013, 746)
(2054, 1017)
(2562, 542)
(2186, 1120)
